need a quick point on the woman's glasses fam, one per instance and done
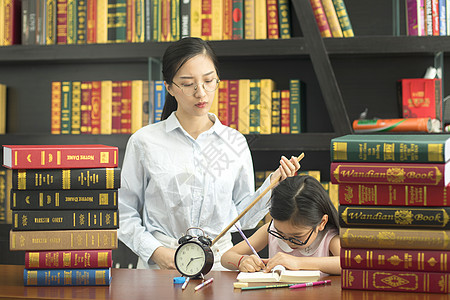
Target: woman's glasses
(191, 89)
(290, 239)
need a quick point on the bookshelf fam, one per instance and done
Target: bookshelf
(365, 70)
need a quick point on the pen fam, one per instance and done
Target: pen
(267, 286)
(302, 285)
(248, 243)
(185, 283)
(203, 284)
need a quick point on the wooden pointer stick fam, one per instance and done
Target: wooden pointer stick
(299, 158)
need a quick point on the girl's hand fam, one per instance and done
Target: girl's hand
(164, 258)
(251, 263)
(287, 168)
(288, 261)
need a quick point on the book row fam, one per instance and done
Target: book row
(252, 106)
(427, 17)
(332, 18)
(396, 240)
(47, 22)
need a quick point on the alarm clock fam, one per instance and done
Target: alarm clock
(194, 257)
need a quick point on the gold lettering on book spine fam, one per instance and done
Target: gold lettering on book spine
(435, 152)
(67, 259)
(33, 259)
(43, 158)
(66, 179)
(110, 178)
(31, 277)
(22, 179)
(340, 151)
(100, 277)
(444, 283)
(389, 151)
(102, 259)
(104, 157)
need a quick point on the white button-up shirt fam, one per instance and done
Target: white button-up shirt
(171, 182)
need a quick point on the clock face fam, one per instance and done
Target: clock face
(191, 259)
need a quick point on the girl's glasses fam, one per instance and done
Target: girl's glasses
(190, 89)
(290, 239)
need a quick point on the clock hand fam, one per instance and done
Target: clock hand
(192, 259)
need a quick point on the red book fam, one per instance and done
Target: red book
(390, 173)
(86, 107)
(71, 259)
(273, 30)
(421, 98)
(395, 260)
(96, 94)
(91, 31)
(285, 112)
(223, 114)
(398, 281)
(435, 16)
(227, 20)
(165, 21)
(393, 195)
(233, 104)
(321, 18)
(206, 19)
(59, 156)
(61, 22)
(125, 113)
(12, 29)
(116, 106)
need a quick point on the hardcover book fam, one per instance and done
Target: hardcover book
(276, 111)
(321, 18)
(426, 148)
(243, 105)
(66, 179)
(279, 274)
(273, 29)
(393, 195)
(65, 219)
(56, 108)
(395, 260)
(432, 174)
(267, 86)
(76, 107)
(344, 20)
(399, 281)
(63, 199)
(394, 217)
(255, 106)
(64, 277)
(72, 259)
(297, 106)
(238, 20)
(59, 156)
(386, 238)
(63, 239)
(233, 104)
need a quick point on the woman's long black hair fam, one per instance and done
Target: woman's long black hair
(176, 55)
(303, 201)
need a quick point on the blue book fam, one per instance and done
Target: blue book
(442, 18)
(160, 99)
(66, 277)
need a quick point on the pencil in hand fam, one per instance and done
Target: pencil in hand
(248, 243)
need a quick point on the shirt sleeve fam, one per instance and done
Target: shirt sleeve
(131, 202)
(244, 194)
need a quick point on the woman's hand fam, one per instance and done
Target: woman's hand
(287, 168)
(251, 263)
(164, 258)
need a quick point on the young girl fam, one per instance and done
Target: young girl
(188, 170)
(302, 235)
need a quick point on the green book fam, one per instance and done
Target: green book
(50, 22)
(344, 20)
(76, 107)
(284, 19)
(121, 21)
(414, 148)
(155, 17)
(175, 19)
(71, 22)
(297, 107)
(111, 21)
(255, 106)
(66, 107)
(139, 22)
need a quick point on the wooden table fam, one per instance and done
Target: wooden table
(130, 284)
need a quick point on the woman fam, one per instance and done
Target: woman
(188, 170)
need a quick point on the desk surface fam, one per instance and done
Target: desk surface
(129, 284)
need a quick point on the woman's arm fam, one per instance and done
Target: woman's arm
(241, 257)
(330, 264)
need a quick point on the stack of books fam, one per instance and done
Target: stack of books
(394, 212)
(64, 211)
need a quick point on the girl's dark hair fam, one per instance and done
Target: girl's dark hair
(303, 201)
(176, 55)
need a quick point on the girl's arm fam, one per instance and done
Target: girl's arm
(241, 257)
(330, 264)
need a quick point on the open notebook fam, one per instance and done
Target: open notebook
(280, 274)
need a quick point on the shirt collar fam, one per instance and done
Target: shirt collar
(172, 123)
